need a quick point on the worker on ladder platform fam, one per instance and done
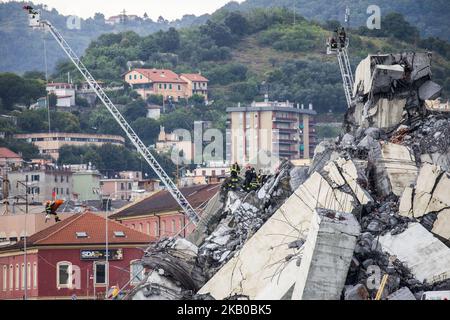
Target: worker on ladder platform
(30, 10)
(342, 37)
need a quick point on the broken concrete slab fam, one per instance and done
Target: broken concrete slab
(268, 275)
(405, 206)
(429, 90)
(426, 256)
(328, 251)
(395, 169)
(357, 292)
(441, 226)
(402, 294)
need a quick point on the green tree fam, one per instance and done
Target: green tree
(237, 23)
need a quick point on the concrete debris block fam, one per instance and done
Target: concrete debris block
(353, 176)
(429, 90)
(328, 251)
(441, 226)
(395, 169)
(298, 176)
(384, 75)
(357, 292)
(405, 207)
(268, 275)
(402, 294)
(429, 195)
(348, 141)
(426, 257)
(185, 246)
(426, 180)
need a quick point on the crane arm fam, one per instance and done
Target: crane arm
(36, 23)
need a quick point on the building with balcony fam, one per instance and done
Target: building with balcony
(50, 143)
(282, 129)
(42, 182)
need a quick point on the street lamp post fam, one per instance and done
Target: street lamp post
(107, 244)
(25, 265)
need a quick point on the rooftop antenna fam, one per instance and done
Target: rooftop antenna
(347, 16)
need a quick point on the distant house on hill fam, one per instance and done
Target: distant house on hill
(166, 83)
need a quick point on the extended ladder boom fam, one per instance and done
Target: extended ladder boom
(36, 23)
(346, 73)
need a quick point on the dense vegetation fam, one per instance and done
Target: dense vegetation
(243, 55)
(18, 41)
(430, 17)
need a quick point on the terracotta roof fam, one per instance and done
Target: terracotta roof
(6, 153)
(194, 77)
(64, 233)
(160, 75)
(164, 202)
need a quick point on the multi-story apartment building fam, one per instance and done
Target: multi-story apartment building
(50, 143)
(166, 83)
(43, 183)
(282, 129)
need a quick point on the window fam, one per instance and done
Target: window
(35, 275)
(122, 187)
(62, 178)
(62, 191)
(56, 178)
(5, 277)
(163, 229)
(173, 226)
(29, 275)
(170, 86)
(100, 272)
(141, 227)
(11, 277)
(119, 234)
(141, 76)
(156, 228)
(67, 178)
(129, 186)
(23, 276)
(160, 86)
(17, 277)
(130, 77)
(148, 228)
(179, 88)
(81, 234)
(135, 76)
(67, 191)
(63, 274)
(136, 272)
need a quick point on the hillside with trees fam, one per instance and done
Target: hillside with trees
(23, 49)
(429, 17)
(243, 55)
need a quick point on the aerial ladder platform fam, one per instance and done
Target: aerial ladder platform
(344, 65)
(35, 22)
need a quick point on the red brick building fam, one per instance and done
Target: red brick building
(159, 214)
(68, 259)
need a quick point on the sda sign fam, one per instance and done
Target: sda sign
(100, 254)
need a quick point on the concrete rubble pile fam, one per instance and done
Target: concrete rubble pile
(375, 201)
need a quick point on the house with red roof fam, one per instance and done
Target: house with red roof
(9, 159)
(159, 215)
(196, 83)
(68, 259)
(165, 82)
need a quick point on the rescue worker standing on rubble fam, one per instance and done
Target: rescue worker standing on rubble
(235, 170)
(248, 178)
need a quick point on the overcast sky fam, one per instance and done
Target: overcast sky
(169, 9)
